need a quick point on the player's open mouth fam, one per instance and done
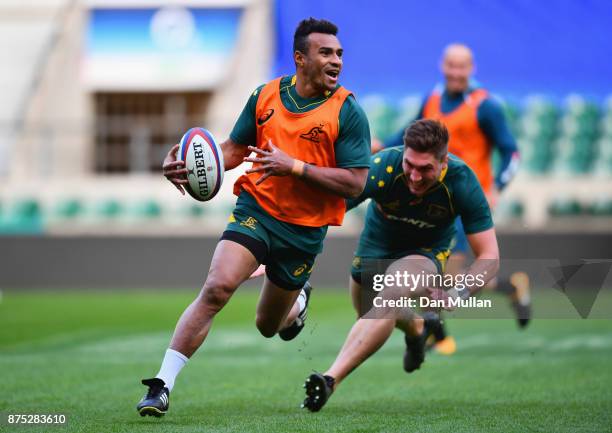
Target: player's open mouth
(332, 74)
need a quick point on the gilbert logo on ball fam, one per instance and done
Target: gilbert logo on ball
(204, 163)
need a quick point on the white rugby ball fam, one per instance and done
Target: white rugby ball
(204, 162)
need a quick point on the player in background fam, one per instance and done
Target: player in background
(312, 148)
(477, 126)
(416, 193)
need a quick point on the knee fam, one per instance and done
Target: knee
(216, 292)
(264, 326)
(414, 325)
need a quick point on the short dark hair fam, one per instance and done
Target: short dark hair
(427, 135)
(308, 26)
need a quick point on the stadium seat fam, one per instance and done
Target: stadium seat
(581, 119)
(26, 209)
(578, 107)
(148, 209)
(573, 127)
(194, 210)
(539, 127)
(540, 118)
(565, 207)
(68, 209)
(110, 208)
(23, 217)
(601, 207)
(536, 155)
(606, 125)
(603, 157)
(574, 156)
(510, 209)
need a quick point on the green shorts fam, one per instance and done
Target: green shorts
(438, 257)
(287, 266)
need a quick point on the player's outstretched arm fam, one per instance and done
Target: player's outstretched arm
(483, 269)
(345, 182)
(486, 253)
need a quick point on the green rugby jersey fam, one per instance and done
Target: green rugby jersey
(399, 220)
(352, 149)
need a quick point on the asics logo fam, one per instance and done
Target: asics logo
(300, 270)
(265, 116)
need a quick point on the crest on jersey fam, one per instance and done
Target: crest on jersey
(313, 134)
(249, 223)
(392, 205)
(436, 211)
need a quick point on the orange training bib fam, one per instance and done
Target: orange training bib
(467, 141)
(309, 137)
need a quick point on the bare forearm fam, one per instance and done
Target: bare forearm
(233, 154)
(272, 161)
(345, 182)
(486, 263)
(483, 270)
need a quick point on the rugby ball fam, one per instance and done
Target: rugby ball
(204, 162)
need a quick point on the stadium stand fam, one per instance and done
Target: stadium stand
(50, 160)
(567, 144)
(25, 35)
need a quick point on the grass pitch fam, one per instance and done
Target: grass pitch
(84, 353)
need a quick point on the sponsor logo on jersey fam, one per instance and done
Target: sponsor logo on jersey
(313, 134)
(412, 221)
(265, 116)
